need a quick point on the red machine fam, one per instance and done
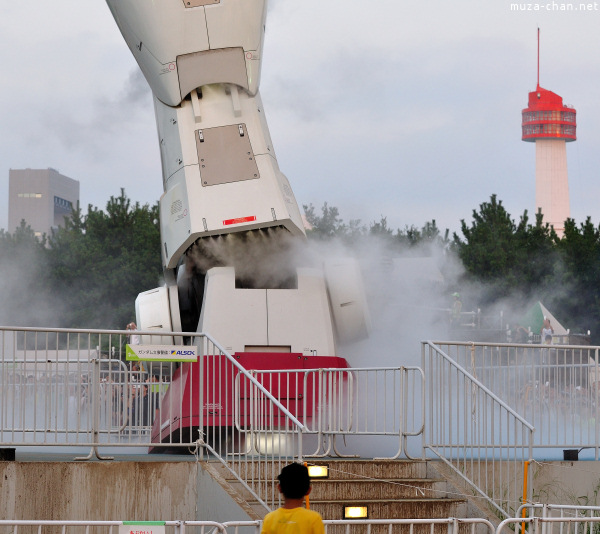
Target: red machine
(229, 399)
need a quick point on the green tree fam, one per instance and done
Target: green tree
(488, 247)
(329, 224)
(578, 288)
(324, 226)
(101, 261)
(537, 260)
(380, 230)
(507, 256)
(429, 234)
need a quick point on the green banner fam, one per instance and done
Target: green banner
(161, 353)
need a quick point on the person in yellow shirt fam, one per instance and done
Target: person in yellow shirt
(292, 517)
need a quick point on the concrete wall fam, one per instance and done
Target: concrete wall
(189, 490)
(113, 490)
(550, 482)
(575, 483)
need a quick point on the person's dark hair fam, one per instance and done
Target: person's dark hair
(294, 481)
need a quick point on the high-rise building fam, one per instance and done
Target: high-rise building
(42, 197)
(550, 125)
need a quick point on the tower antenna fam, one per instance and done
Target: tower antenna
(538, 60)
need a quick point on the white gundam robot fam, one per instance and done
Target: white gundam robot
(229, 220)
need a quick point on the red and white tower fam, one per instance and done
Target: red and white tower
(550, 124)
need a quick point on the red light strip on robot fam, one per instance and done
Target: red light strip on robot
(239, 220)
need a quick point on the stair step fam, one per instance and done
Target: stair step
(340, 469)
(389, 488)
(393, 508)
(400, 488)
(378, 469)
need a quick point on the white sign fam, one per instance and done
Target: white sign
(142, 527)
(161, 353)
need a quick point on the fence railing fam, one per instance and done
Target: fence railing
(571, 511)
(449, 525)
(479, 404)
(61, 387)
(556, 388)
(248, 428)
(358, 402)
(24, 526)
(67, 388)
(73, 388)
(480, 437)
(549, 525)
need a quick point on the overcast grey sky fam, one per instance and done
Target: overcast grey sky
(408, 109)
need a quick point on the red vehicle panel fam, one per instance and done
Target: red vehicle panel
(226, 392)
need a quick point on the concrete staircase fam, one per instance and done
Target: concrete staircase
(391, 489)
(388, 488)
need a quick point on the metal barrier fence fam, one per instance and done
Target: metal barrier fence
(449, 525)
(556, 388)
(73, 388)
(106, 527)
(358, 402)
(571, 511)
(245, 426)
(61, 387)
(66, 388)
(548, 525)
(474, 432)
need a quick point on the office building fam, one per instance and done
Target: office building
(42, 197)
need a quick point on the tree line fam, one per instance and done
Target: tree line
(522, 260)
(89, 272)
